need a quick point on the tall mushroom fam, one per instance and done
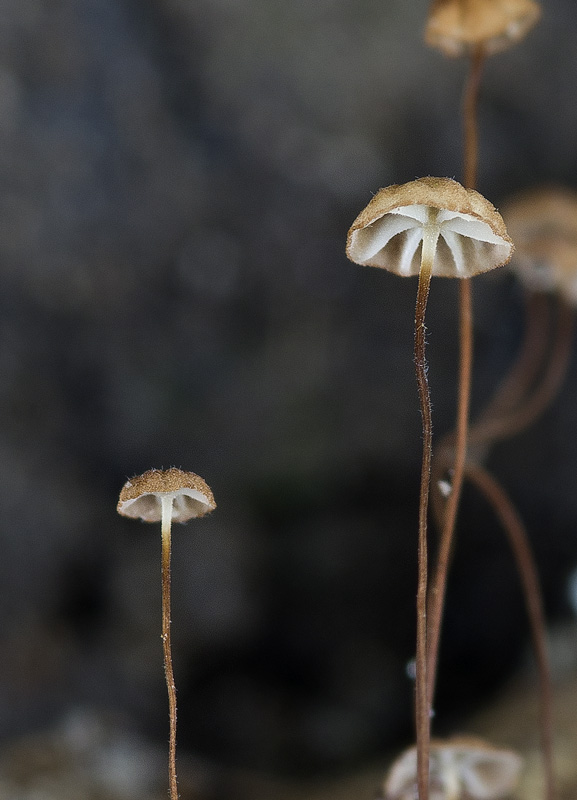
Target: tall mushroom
(459, 234)
(165, 496)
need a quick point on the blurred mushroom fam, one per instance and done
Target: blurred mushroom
(461, 768)
(457, 27)
(543, 224)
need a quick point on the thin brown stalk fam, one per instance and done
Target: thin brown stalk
(422, 715)
(165, 575)
(517, 535)
(501, 427)
(437, 596)
(510, 393)
(438, 591)
(520, 378)
(470, 102)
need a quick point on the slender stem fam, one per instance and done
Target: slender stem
(515, 530)
(470, 101)
(422, 717)
(518, 419)
(166, 526)
(437, 596)
(518, 381)
(511, 398)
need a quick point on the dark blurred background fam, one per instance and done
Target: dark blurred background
(176, 183)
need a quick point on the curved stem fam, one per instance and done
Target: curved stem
(507, 397)
(523, 373)
(422, 716)
(518, 419)
(517, 535)
(165, 573)
(437, 596)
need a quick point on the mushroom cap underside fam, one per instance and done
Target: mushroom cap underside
(472, 766)
(389, 231)
(141, 497)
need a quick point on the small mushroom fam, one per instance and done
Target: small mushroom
(461, 768)
(165, 496)
(458, 27)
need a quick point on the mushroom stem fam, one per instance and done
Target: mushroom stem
(517, 383)
(471, 132)
(431, 232)
(437, 596)
(492, 428)
(167, 501)
(449, 519)
(515, 530)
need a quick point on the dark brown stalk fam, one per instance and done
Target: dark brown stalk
(165, 574)
(422, 715)
(501, 427)
(517, 535)
(438, 591)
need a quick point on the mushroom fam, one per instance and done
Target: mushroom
(462, 233)
(459, 234)
(165, 496)
(460, 767)
(543, 224)
(457, 27)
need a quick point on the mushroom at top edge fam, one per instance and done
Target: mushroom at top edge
(543, 223)
(388, 232)
(141, 497)
(456, 27)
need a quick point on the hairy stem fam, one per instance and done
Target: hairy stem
(422, 716)
(517, 535)
(165, 572)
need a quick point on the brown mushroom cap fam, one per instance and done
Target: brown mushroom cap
(388, 232)
(457, 26)
(460, 766)
(140, 497)
(543, 223)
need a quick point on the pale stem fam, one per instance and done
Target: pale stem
(422, 719)
(167, 500)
